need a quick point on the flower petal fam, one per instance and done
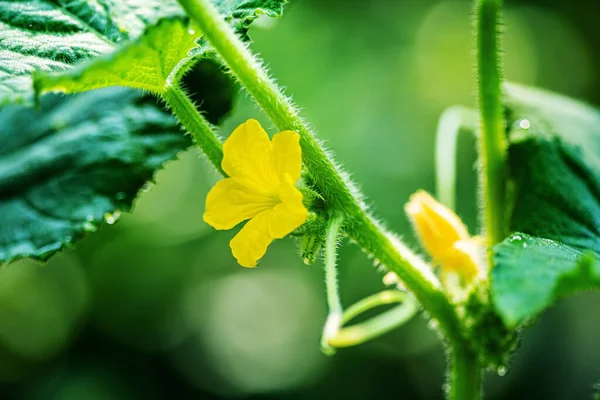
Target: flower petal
(233, 200)
(288, 215)
(464, 258)
(287, 155)
(251, 243)
(248, 153)
(436, 226)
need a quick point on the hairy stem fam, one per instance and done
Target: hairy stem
(493, 142)
(334, 319)
(200, 129)
(465, 375)
(337, 191)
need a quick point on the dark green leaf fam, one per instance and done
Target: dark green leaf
(74, 163)
(557, 195)
(555, 183)
(555, 166)
(574, 122)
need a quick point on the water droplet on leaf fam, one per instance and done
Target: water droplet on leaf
(524, 124)
(89, 227)
(516, 239)
(112, 218)
(502, 370)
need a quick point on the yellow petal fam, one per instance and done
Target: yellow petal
(290, 213)
(437, 226)
(464, 259)
(248, 153)
(287, 155)
(285, 219)
(251, 243)
(232, 201)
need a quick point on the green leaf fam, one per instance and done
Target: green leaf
(141, 48)
(554, 168)
(557, 194)
(75, 163)
(531, 273)
(52, 36)
(574, 122)
(153, 62)
(72, 164)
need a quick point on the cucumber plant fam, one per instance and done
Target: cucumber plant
(70, 162)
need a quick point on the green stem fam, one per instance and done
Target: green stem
(465, 376)
(338, 192)
(200, 129)
(334, 319)
(269, 97)
(493, 143)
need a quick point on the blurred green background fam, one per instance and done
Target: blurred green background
(155, 307)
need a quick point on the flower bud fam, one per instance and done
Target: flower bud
(443, 235)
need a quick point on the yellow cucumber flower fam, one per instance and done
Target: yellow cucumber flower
(260, 187)
(443, 235)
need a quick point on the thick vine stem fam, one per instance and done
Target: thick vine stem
(337, 191)
(464, 375)
(493, 143)
(200, 129)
